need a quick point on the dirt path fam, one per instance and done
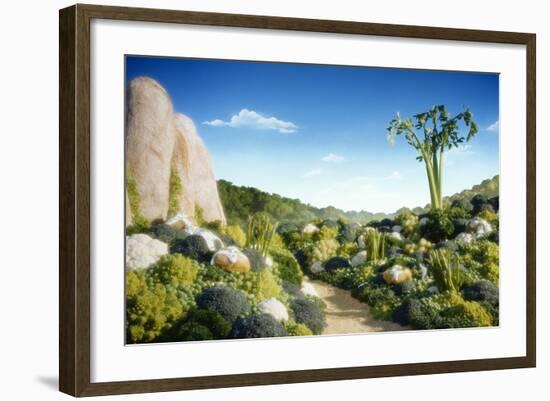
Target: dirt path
(346, 314)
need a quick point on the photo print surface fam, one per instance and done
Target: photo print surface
(277, 199)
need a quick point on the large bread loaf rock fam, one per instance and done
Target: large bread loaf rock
(160, 142)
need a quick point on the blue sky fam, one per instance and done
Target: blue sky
(318, 133)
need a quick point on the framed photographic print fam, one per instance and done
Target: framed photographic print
(306, 200)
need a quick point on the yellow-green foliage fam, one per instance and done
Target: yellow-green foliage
(297, 329)
(444, 265)
(489, 216)
(362, 274)
(277, 242)
(286, 266)
(236, 233)
(199, 215)
(260, 285)
(322, 250)
(408, 220)
(151, 308)
(174, 193)
(348, 249)
(483, 257)
(175, 270)
(260, 232)
(326, 232)
(376, 245)
(268, 286)
(471, 310)
(139, 221)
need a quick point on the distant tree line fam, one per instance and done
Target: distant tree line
(239, 202)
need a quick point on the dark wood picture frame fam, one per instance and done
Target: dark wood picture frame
(74, 199)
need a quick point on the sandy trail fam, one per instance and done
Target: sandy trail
(347, 315)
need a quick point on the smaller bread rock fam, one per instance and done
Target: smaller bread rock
(231, 259)
(317, 267)
(143, 251)
(397, 274)
(275, 308)
(310, 229)
(309, 289)
(359, 258)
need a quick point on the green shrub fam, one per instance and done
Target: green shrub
(448, 275)
(438, 227)
(139, 222)
(258, 326)
(382, 301)
(342, 278)
(336, 262)
(297, 329)
(320, 251)
(213, 321)
(326, 232)
(287, 267)
(174, 270)
(471, 314)
(309, 313)
(375, 243)
(347, 250)
(483, 257)
(166, 233)
(192, 331)
(483, 290)
(199, 215)
(228, 302)
(260, 232)
(408, 220)
(174, 193)
(151, 309)
(236, 233)
(193, 246)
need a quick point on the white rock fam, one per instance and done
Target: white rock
(143, 251)
(395, 235)
(212, 240)
(275, 308)
(268, 261)
(309, 289)
(397, 228)
(359, 258)
(464, 238)
(361, 241)
(317, 267)
(479, 227)
(310, 229)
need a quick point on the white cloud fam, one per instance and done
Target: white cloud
(494, 127)
(395, 175)
(461, 150)
(313, 173)
(252, 119)
(333, 158)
